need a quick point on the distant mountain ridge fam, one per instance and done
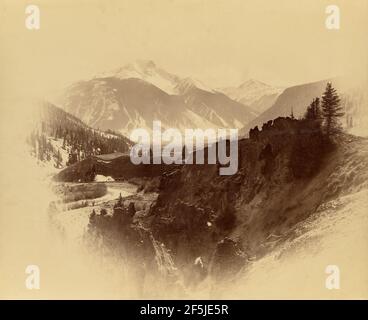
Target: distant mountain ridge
(255, 94)
(295, 99)
(136, 94)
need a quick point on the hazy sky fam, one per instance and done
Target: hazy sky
(221, 42)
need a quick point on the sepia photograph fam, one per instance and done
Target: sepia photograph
(183, 150)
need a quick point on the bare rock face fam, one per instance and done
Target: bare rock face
(227, 260)
(185, 227)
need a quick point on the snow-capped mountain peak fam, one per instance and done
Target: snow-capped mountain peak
(187, 84)
(250, 91)
(148, 71)
(254, 93)
(255, 84)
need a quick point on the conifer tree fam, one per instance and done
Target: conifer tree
(314, 110)
(332, 111)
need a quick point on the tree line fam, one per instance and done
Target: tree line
(327, 112)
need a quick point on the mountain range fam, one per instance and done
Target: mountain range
(136, 94)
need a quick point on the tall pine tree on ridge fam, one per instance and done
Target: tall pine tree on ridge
(332, 111)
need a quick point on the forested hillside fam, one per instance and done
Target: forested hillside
(63, 139)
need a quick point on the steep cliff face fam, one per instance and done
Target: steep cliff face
(286, 171)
